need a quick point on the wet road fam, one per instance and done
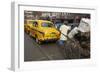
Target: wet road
(36, 52)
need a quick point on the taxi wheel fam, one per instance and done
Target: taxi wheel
(25, 30)
(30, 34)
(38, 41)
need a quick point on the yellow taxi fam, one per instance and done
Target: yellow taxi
(42, 30)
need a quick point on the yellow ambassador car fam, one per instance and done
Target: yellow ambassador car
(41, 30)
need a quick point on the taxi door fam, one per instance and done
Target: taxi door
(34, 29)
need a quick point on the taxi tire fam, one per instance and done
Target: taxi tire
(38, 41)
(30, 34)
(24, 29)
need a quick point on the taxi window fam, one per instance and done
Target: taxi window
(46, 24)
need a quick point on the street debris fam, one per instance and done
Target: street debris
(78, 44)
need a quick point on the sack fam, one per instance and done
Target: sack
(73, 32)
(84, 25)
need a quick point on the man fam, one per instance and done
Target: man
(64, 28)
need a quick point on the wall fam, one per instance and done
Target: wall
(5, 34)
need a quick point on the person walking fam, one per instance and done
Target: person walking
(64, 28)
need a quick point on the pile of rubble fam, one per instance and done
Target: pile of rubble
(78, 44)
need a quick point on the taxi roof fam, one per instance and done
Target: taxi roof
(40, 20)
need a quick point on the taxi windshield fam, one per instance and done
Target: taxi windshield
(46, 24)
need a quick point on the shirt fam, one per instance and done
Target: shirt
(64, 30)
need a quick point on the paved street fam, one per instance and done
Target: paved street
(36, 52)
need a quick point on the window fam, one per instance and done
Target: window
(46, 24)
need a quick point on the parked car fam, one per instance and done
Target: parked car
(42, 30)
